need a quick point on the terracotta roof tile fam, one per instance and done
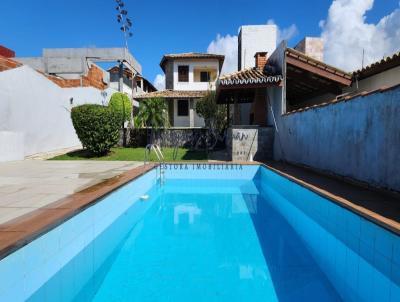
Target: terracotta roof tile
(344, 98)
(191, 55)
(7, 63)
(379, 66)
(248, 76)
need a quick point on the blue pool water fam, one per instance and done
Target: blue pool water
(243, 234)
(200, 245)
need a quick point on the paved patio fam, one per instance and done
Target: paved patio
(31, 184)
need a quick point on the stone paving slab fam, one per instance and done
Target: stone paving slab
(31, 184)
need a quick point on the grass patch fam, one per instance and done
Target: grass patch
(134, 154)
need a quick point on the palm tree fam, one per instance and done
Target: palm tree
(152, 113)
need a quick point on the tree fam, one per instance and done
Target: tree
(215, 119)
(214, 115)
(121, 105)
(152, 113)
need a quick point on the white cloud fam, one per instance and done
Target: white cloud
(159, 82)
(286, 33)
(346, 33)
(227, 46)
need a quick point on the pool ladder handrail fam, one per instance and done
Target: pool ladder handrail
(161, 160)
(157, 150)
(175, 152)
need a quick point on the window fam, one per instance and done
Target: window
(183, 107)
(204, 76)
(183, 73)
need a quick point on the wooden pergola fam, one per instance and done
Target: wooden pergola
(307, 78)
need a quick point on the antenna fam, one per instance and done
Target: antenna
(363, 56)
(124, 20)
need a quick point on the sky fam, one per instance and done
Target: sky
(160, 26)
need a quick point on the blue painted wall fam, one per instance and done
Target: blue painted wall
(358, 138)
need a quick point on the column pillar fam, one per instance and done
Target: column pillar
(191, 113)
(121, 77)
(236, 110)
(228, 112)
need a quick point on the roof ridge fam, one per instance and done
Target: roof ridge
(237, 72)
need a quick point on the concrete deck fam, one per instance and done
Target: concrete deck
(28, 185)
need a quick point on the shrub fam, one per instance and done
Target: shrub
(152, 113)
(122, 106)
(97, 127)
(214, 115)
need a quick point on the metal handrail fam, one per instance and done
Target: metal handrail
(175, 152)
(160, 157)
(157, 151)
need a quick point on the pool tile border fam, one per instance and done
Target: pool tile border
(386, 223)
(26, 228)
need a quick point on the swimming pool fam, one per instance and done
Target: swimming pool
(208, 233)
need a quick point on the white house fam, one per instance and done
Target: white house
(188, 77)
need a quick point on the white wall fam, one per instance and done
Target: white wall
(255, 38)
(85, 95)
(387, 78)
(184, 121)
(191, 85)
(38, 109)
(11, 146)
(125, 88)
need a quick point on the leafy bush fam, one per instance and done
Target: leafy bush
(214, 115)
(152, 113)
(97, 127)
(122, 106)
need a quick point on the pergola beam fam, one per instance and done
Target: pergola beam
(318, 71)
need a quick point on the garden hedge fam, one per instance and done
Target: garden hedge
(97, 127)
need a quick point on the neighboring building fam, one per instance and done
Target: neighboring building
(188, 77)
(312, 114)
(37, 94)
(76, 67)
(312, 47)
(253, 39)
(73, 63)
(132, 84)
(6, 52)
(384, 73)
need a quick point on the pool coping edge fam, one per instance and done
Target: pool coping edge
(14, 234)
